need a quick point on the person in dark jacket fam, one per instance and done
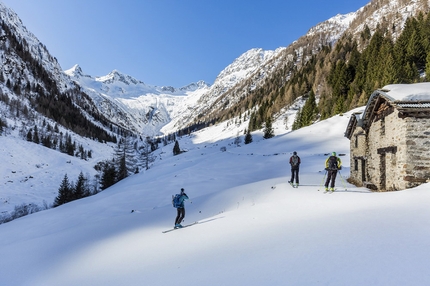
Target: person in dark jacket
(181, 209)
(295, 164)
(332, 165)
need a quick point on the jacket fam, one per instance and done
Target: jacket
(339, 163)
(182, 198)
(292, 163)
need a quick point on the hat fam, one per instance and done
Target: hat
(182, 190)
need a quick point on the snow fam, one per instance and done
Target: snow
(254, 228)
(409, 92)
(30, 171)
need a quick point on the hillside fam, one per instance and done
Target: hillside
(253, 227)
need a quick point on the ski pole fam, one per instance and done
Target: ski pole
(342, 180)
(322, 182)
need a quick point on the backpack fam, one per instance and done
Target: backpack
(332, 163)
(176, 202)
(294, 160)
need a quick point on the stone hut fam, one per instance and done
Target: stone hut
(390, 139)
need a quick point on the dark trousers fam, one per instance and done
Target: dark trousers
(331, 176)
(294, 175)
(180, 216)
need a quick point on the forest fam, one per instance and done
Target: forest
(338, 78)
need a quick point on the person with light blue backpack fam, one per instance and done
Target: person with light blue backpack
(178, 203)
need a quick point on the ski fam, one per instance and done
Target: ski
(292, 185)
(172, 229)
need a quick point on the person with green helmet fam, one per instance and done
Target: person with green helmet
(332, 165)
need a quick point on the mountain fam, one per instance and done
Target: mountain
(121, 101)
(32, 79)
(256, 69)
(132, 104)
(151, 109)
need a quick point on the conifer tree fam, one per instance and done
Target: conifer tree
(125, 161)
(36, 135)
(268, 129)
(64, 192)
(108, 177)
(428, 67)
(248, 137)
(297, 124)
(309, 110)
(176, 149)
(145, 153)
(81, 189)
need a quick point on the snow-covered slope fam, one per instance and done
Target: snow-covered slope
(254, 228)
(32, 173)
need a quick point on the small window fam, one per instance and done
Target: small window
(382, 126)
(355, 165)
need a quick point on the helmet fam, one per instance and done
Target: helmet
(182, 190)
(333, 153)
(294, 153)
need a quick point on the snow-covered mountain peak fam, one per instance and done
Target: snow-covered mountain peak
(117, 76)
(195, 85)
(75, 72)
(335, 26)
(248, 61)
(343, 19)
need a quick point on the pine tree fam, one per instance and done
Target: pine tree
(108, 177)
(248, 137)
(125, 158)
(64, 192)
(176, 149)
(297, 124)
(428, 67)
(268, 129)
(36, 135)
(309, 110)
(145, 153)
(81, 189)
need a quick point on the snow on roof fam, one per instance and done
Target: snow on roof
(408, 92)
(416, 96)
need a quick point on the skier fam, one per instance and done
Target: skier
(295, 163)
(180, 208)
(332, 165)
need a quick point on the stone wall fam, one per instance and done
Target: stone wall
(417, 166)
(397, 152)
(358, 154)
(387, 152)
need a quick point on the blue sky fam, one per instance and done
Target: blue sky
(169, 42)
